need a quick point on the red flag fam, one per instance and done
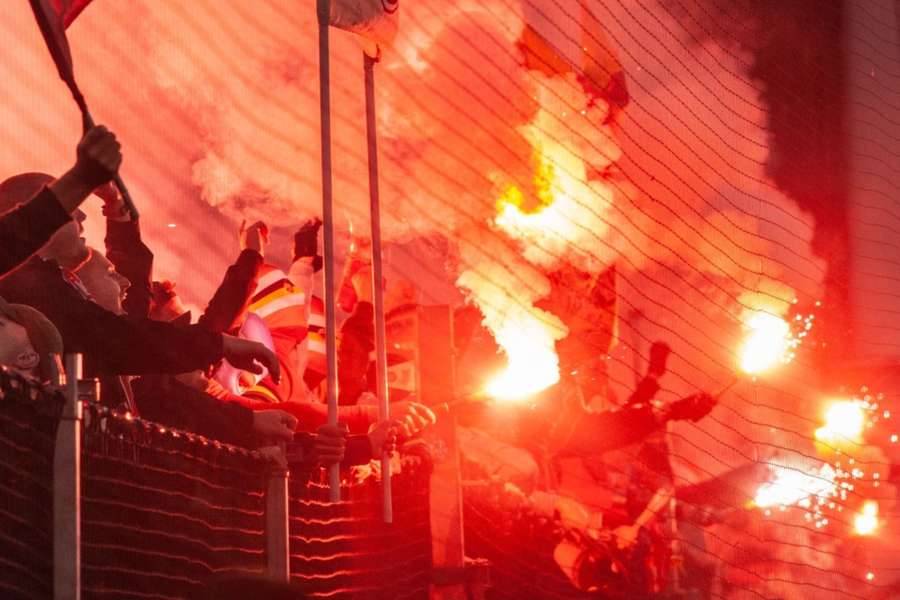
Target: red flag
(69, 9)
(53, 16)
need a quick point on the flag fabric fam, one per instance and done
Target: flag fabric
(375, 21)
(292, 318)
(280, 303)
(67, 9)
(549, 47)
(316, 357)
(53, 17)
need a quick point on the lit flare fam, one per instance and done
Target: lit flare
(845, 421)
(768, 344)
(532, 361)
(792, 486)
(866, 521)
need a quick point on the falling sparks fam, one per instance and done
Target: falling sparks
(866, 521)
(791, 487)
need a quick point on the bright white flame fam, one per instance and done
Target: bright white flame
(791, 486)
(532, 361)
(844, 421)
(866, 522)
(767, 344)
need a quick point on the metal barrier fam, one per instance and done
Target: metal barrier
(136, 510)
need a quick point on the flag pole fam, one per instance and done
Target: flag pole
(323, 9)
(117, 179)
(55, 38)
(377, 279)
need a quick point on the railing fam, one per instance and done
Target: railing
(163, 514)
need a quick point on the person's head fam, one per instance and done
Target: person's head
(67, 246)
(28, 340)
(105, 284)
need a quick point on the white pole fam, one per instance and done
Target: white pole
(278, 539)
(324, 9)
(377, 278)
(67, 490)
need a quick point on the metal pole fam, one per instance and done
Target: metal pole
(323, 8)
(377, 288)
(67, 490)
(278, 539)
(88, 122)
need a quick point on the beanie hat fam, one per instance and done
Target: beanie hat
(19, 189)
(43, 335)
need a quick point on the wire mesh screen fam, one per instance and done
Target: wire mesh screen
(28, 423)
(345, 550)
(163, 514)
(583, 178)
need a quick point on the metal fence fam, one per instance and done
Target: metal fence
(135, 510)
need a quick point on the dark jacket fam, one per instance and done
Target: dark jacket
(113, 344)
(356, 345)
(25, 229)
(167, 401)
(226, 309)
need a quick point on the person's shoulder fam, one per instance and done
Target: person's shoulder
(33, 271)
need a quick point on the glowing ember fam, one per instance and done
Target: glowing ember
(767, 345)
(866, 522)
(844, 421)
(791, 486)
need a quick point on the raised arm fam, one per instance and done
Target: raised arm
(25, 229)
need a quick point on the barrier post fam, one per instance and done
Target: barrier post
(278, 550)
(67, 489)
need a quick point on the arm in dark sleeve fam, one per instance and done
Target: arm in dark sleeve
(599, 432)
(116, 345)
(357, 343)
(25, 229)
(133, 260)
(171, 403)
(233, 296)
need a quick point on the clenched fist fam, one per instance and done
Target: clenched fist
(98, 157)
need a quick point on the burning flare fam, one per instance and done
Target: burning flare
(533, 364)
(768, 344)
(550, 225)
(866, 521)
(844, 421)
(792, 486)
